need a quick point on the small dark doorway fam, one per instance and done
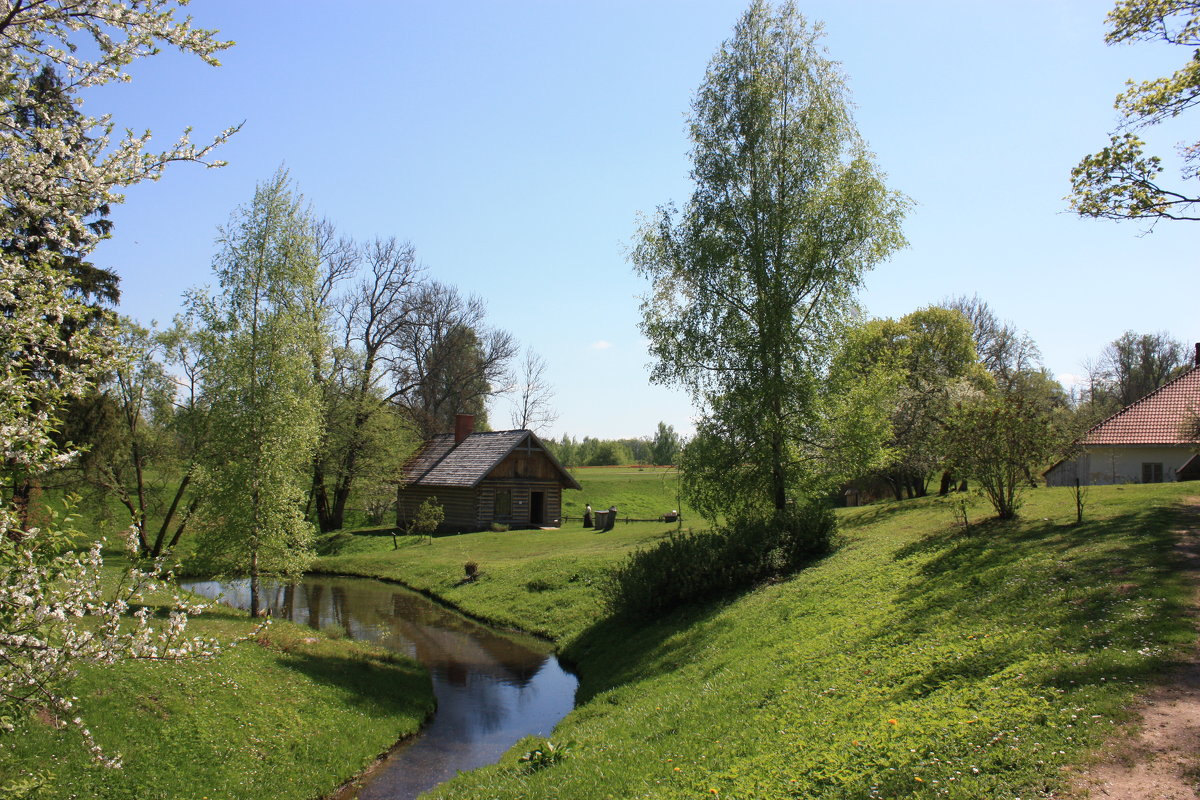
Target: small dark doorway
(537, 508)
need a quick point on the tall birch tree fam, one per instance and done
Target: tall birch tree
(754, 276)
(261, 331)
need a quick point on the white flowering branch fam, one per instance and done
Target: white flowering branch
(58, 168)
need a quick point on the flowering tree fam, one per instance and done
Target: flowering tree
(56, 176)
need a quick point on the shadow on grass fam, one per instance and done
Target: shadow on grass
(1078, 595)
(618, 650)
(377, 687)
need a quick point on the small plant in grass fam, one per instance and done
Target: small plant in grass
(1079, 492)
(471, 569)
(425, 522)
(498, 527)
(961, 507)
(538, 585)
(545, 755)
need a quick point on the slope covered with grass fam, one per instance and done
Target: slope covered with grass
(542, 582)
(288, 714)
(917, 660)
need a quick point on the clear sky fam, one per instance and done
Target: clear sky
(514, 143)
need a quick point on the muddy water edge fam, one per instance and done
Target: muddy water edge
(492, 687)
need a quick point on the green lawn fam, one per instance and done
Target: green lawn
(917, 660)
(543, 582)
(290, 714)
(638, 492)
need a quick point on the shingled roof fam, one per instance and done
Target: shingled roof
(440, 462)
(1156, 419)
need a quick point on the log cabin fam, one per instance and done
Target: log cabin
(485, 478)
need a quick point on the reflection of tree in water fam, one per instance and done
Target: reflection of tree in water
(314, 593)
(484, 681)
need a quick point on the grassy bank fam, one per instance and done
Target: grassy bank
(289, 714)
(918, 660)
(543, 582)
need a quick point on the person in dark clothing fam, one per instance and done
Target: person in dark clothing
(587, 515)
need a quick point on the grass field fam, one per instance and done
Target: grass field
(289, 714)
(638, 492)
(919, 660)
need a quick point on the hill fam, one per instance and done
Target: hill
(917, 660)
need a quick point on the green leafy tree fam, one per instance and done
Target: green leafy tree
(1122, 181)
(998, 441)
(666, 445)
(1133, 365)
(260, 333)
(925, 356)
(753, 278)
(609, 453)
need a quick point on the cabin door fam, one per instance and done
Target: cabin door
(537, 508)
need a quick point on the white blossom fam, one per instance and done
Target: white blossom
(54, 611)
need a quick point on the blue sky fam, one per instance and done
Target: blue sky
(514, 143)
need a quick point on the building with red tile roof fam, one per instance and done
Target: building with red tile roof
(1145, 442)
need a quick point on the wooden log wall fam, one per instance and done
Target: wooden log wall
(458, 505)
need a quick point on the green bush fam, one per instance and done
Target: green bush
(692, 567)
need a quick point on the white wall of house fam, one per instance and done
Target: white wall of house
(1103, 465)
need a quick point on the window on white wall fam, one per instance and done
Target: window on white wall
(1152, 473)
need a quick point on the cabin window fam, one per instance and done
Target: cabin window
(502, 506)
(1152, 473)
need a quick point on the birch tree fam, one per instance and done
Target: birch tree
(752, 279)
(261, 331)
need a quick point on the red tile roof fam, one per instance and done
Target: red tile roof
(1155, 419)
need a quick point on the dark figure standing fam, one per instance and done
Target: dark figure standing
(587, 515)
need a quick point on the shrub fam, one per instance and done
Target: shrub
(471, 569)
(692, 567)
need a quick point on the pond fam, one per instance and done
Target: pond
(492, 688)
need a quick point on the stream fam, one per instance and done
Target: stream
(492, 688)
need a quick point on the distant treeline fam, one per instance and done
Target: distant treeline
(661, 448)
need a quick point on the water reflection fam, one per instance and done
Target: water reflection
(491, 689)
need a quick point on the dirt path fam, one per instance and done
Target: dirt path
(1161, 761)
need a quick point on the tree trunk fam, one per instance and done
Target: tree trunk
(191, 509)
(254, 583)
(341, 495)
(170, 515)
(321, 497)
(947, 484)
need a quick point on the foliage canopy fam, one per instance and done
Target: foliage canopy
(752, 279)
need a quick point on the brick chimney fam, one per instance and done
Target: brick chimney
(464, 426)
